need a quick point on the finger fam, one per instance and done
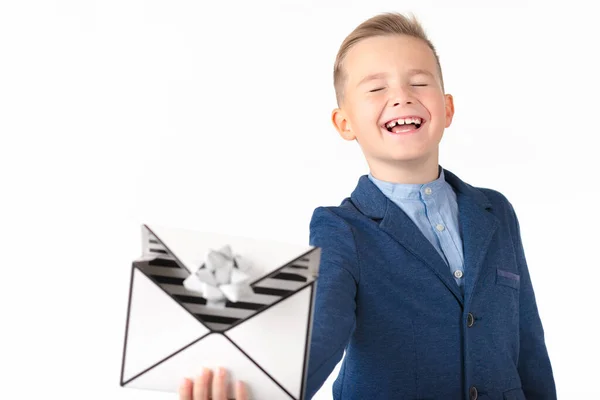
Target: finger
(185, 389)
(202, 385)
(219, 390)
(240, 391)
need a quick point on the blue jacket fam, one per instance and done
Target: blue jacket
(386, 298)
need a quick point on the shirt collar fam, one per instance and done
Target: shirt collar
(404, 191)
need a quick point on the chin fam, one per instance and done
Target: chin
(400, 154)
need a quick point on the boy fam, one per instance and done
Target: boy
(423, 279)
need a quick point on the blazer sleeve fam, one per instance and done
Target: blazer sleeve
(334, 315)
(534, 365)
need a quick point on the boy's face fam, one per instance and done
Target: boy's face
(387, 78)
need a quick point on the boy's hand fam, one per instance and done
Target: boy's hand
(204, 387)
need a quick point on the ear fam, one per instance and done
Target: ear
(342, 124)
(449, 109)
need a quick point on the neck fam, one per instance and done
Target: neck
(410, 172)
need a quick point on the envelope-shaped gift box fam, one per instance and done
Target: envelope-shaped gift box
(262, 339)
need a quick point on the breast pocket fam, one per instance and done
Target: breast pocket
(508, 278)
(507, 299)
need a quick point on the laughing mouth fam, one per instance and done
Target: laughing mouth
(407, 122)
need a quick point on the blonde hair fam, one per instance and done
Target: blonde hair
(380, 25)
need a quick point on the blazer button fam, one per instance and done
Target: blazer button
(473, 393)
(470, 320)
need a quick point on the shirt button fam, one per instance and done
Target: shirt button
(470, 320)
(458, 274)
(428, 190)
(439, 227)
(473, 393)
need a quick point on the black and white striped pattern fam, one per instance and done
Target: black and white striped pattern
(164, 269)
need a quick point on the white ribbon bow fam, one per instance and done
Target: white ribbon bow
(221, 277)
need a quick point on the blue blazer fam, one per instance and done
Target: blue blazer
(386, 298)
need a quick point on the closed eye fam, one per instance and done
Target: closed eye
(376, 90)
(420, 84)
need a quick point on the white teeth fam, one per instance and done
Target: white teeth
(403, 121)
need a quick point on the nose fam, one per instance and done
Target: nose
(401, 96)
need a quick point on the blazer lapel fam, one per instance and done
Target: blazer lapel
(477, 226)
(396, 223)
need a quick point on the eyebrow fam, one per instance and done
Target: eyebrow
(417, 71)
(380, 75)
(371, 77)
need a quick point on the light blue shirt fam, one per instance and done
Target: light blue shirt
(433, 208)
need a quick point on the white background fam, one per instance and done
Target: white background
(215, 116)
